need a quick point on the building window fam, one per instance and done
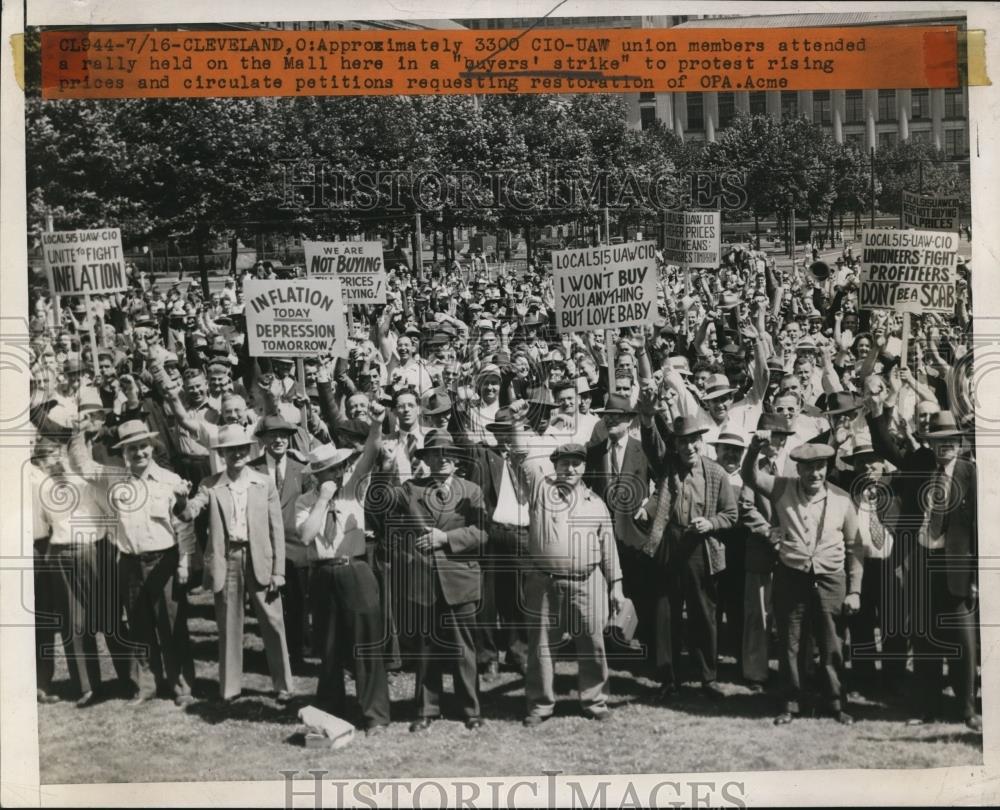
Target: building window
(953, 106)
(758, 103)
(789, 103)
(822, 113)
(727, 109)
(955, 143)
(886, 105)
(696, 111)
(920, 135)
(855, 107)
(920, 104)
(647, 116)
(855, 139)
(886, 140)
(647, 97)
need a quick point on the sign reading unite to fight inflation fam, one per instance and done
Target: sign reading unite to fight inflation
(693, 238)
(297, 318)
(908, 271)
(358, 265)
(84, 262)
(605, 287)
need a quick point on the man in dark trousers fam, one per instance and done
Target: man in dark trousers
(435, 531)
(695, 501)
(287, 468)
(618, 472)
(938, 526)
(501, 620)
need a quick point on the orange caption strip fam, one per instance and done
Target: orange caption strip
(155, 64)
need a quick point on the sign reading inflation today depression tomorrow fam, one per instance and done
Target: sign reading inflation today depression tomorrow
(297, 318)
(908, 271)
(84, 262)
(358, 265)
(605, 287)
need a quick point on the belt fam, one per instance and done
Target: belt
(336, 562)
(510, 527)
(145, 555)
(572, 576)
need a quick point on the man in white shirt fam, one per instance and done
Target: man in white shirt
(331, 521)
(245, 552)
(567, 425)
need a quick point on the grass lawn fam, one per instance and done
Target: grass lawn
(255, 738)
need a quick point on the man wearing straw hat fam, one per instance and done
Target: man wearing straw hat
(346, 604)
(155, 547)
(245, 552)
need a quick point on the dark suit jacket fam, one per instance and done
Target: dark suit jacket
(485, 470)
(410, 511)
(295, 482)
(915, 471)
(631, 493)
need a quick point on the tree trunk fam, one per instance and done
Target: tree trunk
(756, 225)
(232, 255)
(434, 244)
(203, 268)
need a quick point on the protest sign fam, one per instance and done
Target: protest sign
(930, 213)
(86, 262)
(605, 287)
(908, 271)
(359, 266)
(295, 318)
(692, 238)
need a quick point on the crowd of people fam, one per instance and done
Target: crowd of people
(765, 473)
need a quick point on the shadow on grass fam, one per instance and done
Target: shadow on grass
(254, 706)
(957, 737)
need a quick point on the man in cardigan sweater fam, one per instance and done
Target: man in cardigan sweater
(694, 502)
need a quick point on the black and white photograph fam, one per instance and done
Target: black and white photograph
(459, 434)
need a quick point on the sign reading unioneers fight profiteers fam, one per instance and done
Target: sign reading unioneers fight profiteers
(85, 262)
(358, 265)
(908, 271)
(605, 287)
(297, 318)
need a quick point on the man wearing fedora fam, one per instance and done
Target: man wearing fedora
(820, 567)
(434, 534)
(346, 605)
(245, 554)
(501, 618)
(695, 501)
(618, 472)
(938, 529)
(287, 468)
(872, 488)
(155, 547)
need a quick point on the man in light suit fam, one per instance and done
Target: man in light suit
(245, 550)
(287, 468)
(618, 472)
(435, 532)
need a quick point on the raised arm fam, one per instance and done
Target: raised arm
(759, 481)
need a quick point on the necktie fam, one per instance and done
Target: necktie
(279, 479)
(615, 464)
(411, 446)
(938, 499)
(875, 527)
